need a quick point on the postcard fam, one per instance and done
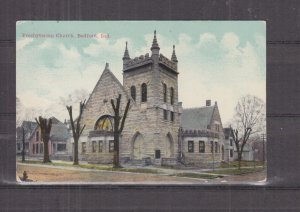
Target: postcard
(141, 102)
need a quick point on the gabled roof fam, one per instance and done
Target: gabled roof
(30, 125)
(114, 78)
(59, 131)
(197, 118)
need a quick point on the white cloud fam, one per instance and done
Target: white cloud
(103, 45)
(230, 41)
(45, 45)
(71, 53)
(206, 39)
(23, 42)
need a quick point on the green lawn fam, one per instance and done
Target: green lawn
(96, 167)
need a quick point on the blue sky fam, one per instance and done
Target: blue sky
(218, 60)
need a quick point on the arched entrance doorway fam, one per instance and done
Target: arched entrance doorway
(169, 146)
(138, 146)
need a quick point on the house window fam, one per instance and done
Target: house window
(144, 92)
(157, 154)
(217, 127)
(201, 146)
(190, 146)
(33, 149)
(231, 153)
(172, 96)
(42, 148)
(165, 115)
(61, 147)
(83, 147)
(37, 149)
(111, 146)
(165, 92)
(37, 136)
(172, 116)
(216, 147)
(100, 146)
(133, 92)
(93, 146)
(230, 141)
(211, 146)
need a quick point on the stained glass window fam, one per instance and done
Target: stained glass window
(105, 123)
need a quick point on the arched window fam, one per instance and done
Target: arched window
(133, 92)
(165, 92)
(144, 92)
(104, 123)
(172, 96)
(211, 146)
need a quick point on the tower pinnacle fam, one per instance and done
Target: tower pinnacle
(174, 58)
(126, 54)
(154, 43)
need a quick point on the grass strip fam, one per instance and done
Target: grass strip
(95, 167)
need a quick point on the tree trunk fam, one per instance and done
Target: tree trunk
(116, 160)
(46, 152)
(118, 129)
(239, 159)
(75, 152)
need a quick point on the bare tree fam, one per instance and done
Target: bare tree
(45, 126)
(24, 118)
(118, 128)
(76, 130)
(249, 119)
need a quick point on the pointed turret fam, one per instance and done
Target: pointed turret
(155, 48)
(126, 54)
(106, 67)
(174, 58)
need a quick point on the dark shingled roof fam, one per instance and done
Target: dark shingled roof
(196, 118)
(29, 127)
(59, 131)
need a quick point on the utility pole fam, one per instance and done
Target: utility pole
(263, 141)
(213, 154)
(23, 144)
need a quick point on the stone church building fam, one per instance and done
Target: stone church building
(157, 130)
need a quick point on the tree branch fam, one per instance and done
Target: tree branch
(125, 116)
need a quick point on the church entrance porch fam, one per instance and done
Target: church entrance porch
(138, 147)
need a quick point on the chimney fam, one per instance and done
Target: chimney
(208, 103)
